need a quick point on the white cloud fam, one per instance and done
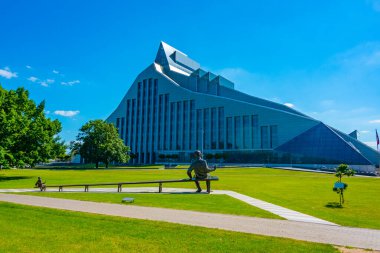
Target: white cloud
(55, 71)
(66, 113)
(290, 105)
(70, 83)
(47, 112)
(28, 67)
(7, 73)
(44, 83)
(375, 121)
(33, 79)
(364, 131)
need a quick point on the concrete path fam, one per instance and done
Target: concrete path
(337, 235)
(278, 210)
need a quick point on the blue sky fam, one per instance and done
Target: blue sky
(320, 57)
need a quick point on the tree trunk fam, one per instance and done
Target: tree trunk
(97, 164)
(106, 165)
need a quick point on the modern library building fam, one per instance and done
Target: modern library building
(175, 107)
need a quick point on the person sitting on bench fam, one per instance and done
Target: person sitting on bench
(40, 185)
(200, 168)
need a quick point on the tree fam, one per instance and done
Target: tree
(27, 137)
(339, 187)
(99, 141)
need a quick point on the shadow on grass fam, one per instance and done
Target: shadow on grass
(5, 178)
(333, 205)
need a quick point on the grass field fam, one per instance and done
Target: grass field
(310, 193)
(31, 229)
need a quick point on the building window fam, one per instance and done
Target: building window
(154, 122)
(206, 129)
(118, 125)
(238, 132)
(255, 131)
(199, 130)
(192, 123)
(221, 127)
(184, 124)
(214, 125)
(122, 129)
(172, 123)
(138, 119)
(127, 127)
(273, 136)
(149, 108)
(246, 133)
(229, 132)
(264, 137)
(132, 121)
(143, 110)
(166, 123)
(178, 127)
(160, 102)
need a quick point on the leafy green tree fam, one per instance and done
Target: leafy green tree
(27, 137)
(99, 141)
(340, 187)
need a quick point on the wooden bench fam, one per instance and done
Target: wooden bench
(120, 184)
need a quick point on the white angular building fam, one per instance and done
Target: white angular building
(175, 107)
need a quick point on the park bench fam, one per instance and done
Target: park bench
(120, 184)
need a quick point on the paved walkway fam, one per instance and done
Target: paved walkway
(278, 210)
(322, 233)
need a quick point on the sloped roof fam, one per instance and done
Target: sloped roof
(323, 142)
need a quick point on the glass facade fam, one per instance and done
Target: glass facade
(199, 130)
(214, 128)
(154, 120)
(118, 125)
(221, 132)
(185, 125)
(122, 128)
(143, 111)
(192, 125)
(178, 120)
(247, 140)
(160, 119)
(273, 136)
(238, 133)
(264, 137)
(132, 124)
(310, 146)
(128, 113)
(206, 129)
(255, 131)
(172, 124)
(138, 119)
(166, 122)
(229, 132)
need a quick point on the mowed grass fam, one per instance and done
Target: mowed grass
(31, 229)
(306, 192)
(196, 202)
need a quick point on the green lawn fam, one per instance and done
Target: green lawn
(306, 192)
(31, 229)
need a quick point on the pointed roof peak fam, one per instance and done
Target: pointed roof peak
(171, 58)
